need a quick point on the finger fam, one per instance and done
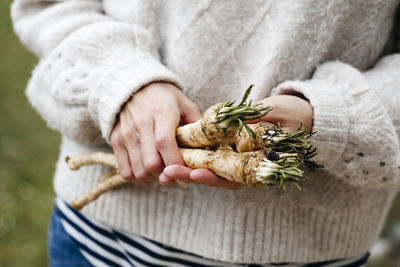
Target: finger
(201, 176)
(165, 127)
(132, 145)
(189, 111)
(152, 162)
(122, 159)
(135, 156)
(211, 179)
(165, 180)
(165, 142)
(179, 172)
(182, 183)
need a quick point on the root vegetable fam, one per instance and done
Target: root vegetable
(107, 175)
(220, 124)
(107, 159)
(263, 135)
(245, 141)
(292, 147)
(237, 167)
(102, 187)
(250, 168)
(224, 123)
(265, 154)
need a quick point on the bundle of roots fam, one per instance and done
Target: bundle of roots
(252, 154)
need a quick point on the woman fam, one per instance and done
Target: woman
(121, 75)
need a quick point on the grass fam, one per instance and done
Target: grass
(28, 152)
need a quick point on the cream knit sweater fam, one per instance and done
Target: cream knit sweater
(95, 54)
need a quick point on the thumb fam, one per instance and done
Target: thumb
(189, 112)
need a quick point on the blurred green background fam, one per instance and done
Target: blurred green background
(28, 152)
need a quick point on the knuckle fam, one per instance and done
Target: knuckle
(158, 110)
(140, 174)
(192, 105)
(127, 133)
(153, 166)
(115, 139)
(139, 123)
(138, 182)
(162, 141)
(167, 111)
(127, 174)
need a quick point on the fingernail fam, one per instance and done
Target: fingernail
(164, 180)
(182, 183)
(195, 179)
(193, 176)
(125, 172)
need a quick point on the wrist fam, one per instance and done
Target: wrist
(159, 85)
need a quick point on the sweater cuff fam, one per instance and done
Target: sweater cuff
(330, 121)
(120, 82)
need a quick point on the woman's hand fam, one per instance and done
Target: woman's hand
(287, 112)
(143, 138)
(198, 176)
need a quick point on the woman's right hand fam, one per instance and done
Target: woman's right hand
(143, 139)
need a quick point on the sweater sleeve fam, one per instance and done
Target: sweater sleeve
(357, 120)
(89, 64)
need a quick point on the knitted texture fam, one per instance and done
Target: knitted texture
(95, 54)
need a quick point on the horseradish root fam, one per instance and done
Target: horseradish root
(245, 141)
(102, 158)
(220, 123)
(236, 167)
(107, 175)
(102, 187)
(255, 155)
(253, 169)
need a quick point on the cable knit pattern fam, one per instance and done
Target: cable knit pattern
(95, 54)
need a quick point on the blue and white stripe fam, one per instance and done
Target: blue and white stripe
(104, 246)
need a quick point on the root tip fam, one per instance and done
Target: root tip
(71, 164)
(76, 206)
